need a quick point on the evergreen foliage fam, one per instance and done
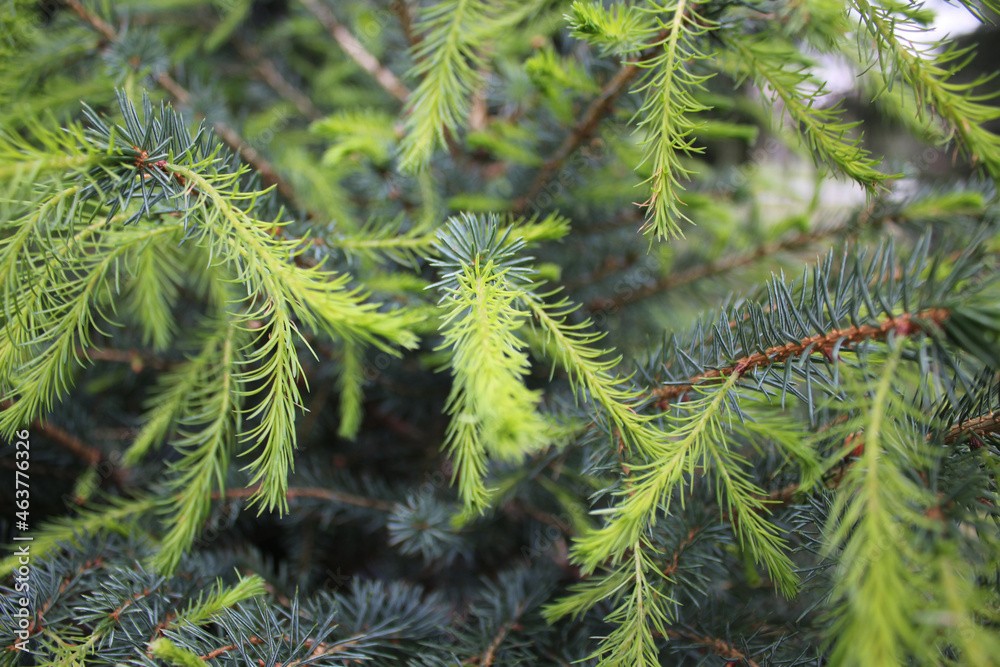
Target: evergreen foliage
(376, 271)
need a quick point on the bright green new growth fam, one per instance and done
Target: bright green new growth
(244, 385)
(448, 61)
(805, 476)
(492, 412)
(772, 64)
(668, 115)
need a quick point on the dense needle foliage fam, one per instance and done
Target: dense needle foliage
(467, 332)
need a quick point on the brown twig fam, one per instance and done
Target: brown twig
(136, 359)
(581, 132)
(676, 558)
(318, 648)
(905, 324)
(353, 48)
(487, 658)
(91, 455)
(979, 425)
(87, 453)
(229, 647)
(705, 270)
(402, 10)
(544, 517)
(273, 77)
(720, 647)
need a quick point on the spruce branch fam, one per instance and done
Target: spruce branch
(837, 426)
(114, 516)
(875, 501)
(667, 114)
(320, 300)
(36, 359)
(865, 300)
(267, 171)
(640, 619)
(492, 411)
(906, 324)
(205, 435)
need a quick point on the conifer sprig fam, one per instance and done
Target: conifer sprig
(803, 474)
(669, 107)
(960, 105)
(492, 411)
(205, 436)
(772, 64)
(448, 63)
(147, 168)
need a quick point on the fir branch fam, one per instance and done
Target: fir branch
(854, 443)
(487, 658)
(36, 359)
(696, 439)
(405, 246)
(203, 609)
(492, 411)
(154, 291)
(114, 516)
(205, 438)
(989, 423)
(173, 397)
(592, 376)
(875, 595)
(639, 619)
(614, 29)
(319, 300)
(41, 150)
